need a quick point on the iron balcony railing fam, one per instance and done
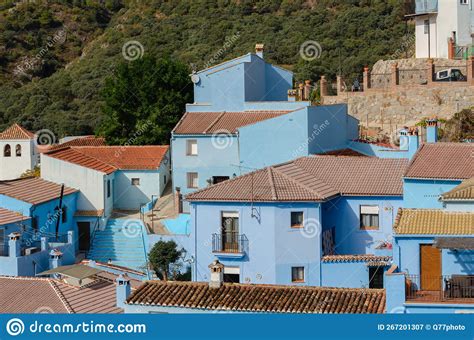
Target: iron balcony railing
(440, 288)
(229, 242)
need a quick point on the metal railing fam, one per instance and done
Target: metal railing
(426, 6)
(439, 288)
(229, 242)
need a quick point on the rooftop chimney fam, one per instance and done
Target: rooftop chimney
(307, 89)
(55, 258)
(413, 142)
(403, 139)
(432, 130)
(259, 50)
(14, 244)
(292, 95)
(178, 200)
(217, 274)
(122, 290)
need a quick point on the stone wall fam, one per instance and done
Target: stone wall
(405, 105)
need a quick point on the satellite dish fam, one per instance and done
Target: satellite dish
(195, 78)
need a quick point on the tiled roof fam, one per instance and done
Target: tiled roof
(44, 295)
(344, 152)
(464, 191)
(88, 213)
(16, 132)
(443, 161)
(313, 178)
(259, 298)
(214, 122)
(80, 141)
(114, 266)
(8, 216)
(356, 258)
(107, 159)
(30, 295)
(33, 190)
(433, 222)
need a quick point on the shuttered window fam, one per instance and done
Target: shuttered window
(369, 216)
(192, 180)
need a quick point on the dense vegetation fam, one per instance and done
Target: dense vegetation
(62, 89)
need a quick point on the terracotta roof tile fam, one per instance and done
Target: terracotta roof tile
(16, 132)
(433, 222)
(93, 213)
(8, 216)
(464, 191)
(108, 159)
(356, 258)
(344, 152)
(214, 122)
(259, 298)
(443, 161)
(80, 141)
(30, 295)
(312, 178)
(33, 190)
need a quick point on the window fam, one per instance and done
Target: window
(108, 187)
(297, 219)
(7, 151)
(191, 147)
(376, 277)
(232, 274)
(427, 27)
(34, 223)
(192, 180)
(18, 150)
(218, 179)
(297, 274)
(136, 181)
(369, 216)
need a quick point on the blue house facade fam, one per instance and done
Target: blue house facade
(244, 117)
(305, 222)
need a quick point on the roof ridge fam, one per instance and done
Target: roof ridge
(61, 296)
(302, 184)
(214, 122)
(272, 184)
(88, 156)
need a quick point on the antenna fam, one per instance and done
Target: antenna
(253, 211)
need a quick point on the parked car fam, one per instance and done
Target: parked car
(450, 74)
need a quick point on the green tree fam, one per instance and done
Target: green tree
(144, 101)
(163, 256)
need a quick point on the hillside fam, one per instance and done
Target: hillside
(61, 87)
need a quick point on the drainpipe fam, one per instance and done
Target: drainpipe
(195, 245)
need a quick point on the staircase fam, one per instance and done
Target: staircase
(121, 242)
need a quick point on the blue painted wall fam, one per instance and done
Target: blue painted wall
(345, 274)
(343, 214)
(273, 246)
(420, 193)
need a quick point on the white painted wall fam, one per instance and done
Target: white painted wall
(91, 183)
(12, 167)
(452, 17)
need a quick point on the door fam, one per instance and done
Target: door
(84, 236)
(430, 268)
(2, 242)
(230, 232)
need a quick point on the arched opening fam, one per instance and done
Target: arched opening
(7, 151)
(18, 150)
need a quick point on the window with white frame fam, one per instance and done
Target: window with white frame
(191, 147)
(297, 274)
(192, 180)
(369, 217)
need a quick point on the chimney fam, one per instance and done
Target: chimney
(178, 200)
(259, 50)
(432, 130)
(307, 89)
(217, 274)
(55, 259)
(122, 290)
(413, 142)
(14, 244)
(403, 139)
(291, 95)
(300, 91)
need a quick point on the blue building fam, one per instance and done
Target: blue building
(318, 220)
(245, 116)
(35, 220)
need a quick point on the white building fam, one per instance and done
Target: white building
(18, 152)
(438, 22)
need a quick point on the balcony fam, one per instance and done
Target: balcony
(426, 6)
(444, 289)
(229, 244)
